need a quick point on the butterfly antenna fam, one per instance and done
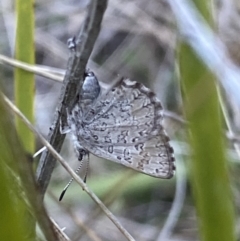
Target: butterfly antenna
(69, 183)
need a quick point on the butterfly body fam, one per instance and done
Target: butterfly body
(122, 125)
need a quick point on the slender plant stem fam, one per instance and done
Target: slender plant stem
(72, 83)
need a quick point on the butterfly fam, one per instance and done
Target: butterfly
(122, 124)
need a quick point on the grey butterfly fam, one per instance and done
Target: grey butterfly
(123, 125)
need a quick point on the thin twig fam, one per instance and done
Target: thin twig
(61, 235)
(227, 120)
(55, 75)
(25, 172)
(72, 84)
(108, 197)
(58, 157)
(175, 117)
(81, 224)
(36, 69)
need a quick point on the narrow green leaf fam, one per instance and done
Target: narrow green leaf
(12, 227)
(24, 81)
(210, 183)
(25, 89)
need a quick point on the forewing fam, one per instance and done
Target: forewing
(129, 111)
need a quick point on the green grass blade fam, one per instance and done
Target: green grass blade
(12, 226)
(24, 81)
(210, 182)
(25, 89)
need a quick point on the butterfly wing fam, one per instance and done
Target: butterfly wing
(124, 126)
(152, 157)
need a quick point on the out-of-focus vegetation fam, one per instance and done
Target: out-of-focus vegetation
(138, 40)
(24, 84)
(12, 223)
(23, 80)
(209, 173)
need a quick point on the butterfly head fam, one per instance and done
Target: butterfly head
(91, 88)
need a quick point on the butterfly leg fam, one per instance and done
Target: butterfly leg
(81, 154)
(87, 167)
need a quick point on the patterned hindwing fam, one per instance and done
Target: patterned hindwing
(153, 157)
(124, 126)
